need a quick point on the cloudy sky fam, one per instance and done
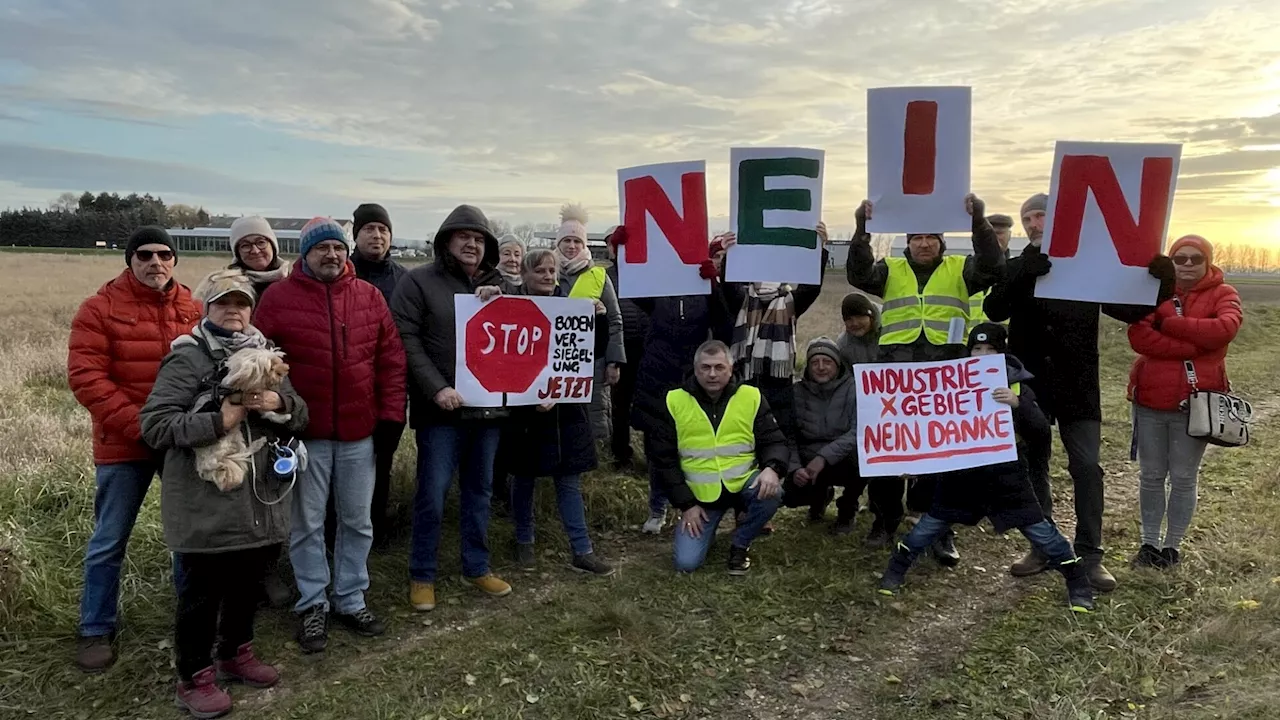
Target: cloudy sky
(305, 107)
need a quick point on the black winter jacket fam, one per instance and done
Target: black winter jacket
(635, 322)
(383, 274)
(771, 444)
(826, 420)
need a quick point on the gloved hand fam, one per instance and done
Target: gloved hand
(1036, 264)
(619, 237)
(977, 208)
(1161, 268)
(707, 271)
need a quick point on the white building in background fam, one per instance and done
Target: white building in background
(217, 237)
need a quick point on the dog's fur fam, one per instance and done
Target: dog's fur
(226, 462)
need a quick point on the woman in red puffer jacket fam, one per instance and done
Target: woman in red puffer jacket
(1197, 324)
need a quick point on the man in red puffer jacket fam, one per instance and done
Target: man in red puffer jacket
(1196, 325)
(345, 359)
(118, 338)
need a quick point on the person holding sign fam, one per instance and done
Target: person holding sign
(581, 278)
(553, 439)
(718, 449)
(1058, 341)
(1003, 225)
(450, 437)
(1001, 493)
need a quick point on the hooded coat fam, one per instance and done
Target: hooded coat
(865, 349)
(826, 419)
(423, 306)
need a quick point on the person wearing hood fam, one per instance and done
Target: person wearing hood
(926, 309)
(582, 278)
(824, 449)
(346, 361)
(1195, 327)
(257, 252)
(1002, 493)
(1003, 225)
(717, 449)
(371, 225)
(450, 437)
(223, 537)
(859, 342)
(635, 326)
(1058, 342)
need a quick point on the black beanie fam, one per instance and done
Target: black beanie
(148, 235)
(856, 304)
(992, 334)
(367, 213)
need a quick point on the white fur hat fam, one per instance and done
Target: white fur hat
(573, 222)
(253, 225)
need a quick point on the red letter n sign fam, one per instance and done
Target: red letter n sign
(687, 234)
(664, 211)
(1136, 241)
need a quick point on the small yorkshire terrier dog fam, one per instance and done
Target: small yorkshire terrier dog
(226, 462)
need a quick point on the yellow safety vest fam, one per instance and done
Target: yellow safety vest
(907, 312)
(716, 459)
(589, 285)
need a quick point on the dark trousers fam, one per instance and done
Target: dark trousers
(1083, 442)
(920, 493)
(217, 598)
(623, 393)
(883, 493)
(386, 440)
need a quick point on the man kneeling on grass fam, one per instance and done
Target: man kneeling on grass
(717, 448)
(1002, 492)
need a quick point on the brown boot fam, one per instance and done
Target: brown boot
(95, 654)
(1099, 577)
(1033, 563)
(246, 668)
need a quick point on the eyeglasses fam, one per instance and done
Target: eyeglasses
(331, 249)
(146, 255)
(255, 244)
(1188, 259)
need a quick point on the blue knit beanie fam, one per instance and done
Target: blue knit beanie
(318, 230)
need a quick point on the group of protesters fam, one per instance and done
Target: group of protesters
(708, 380)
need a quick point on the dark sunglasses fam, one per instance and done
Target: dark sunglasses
(146, 255)
(1188, 259)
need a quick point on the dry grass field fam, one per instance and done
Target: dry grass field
(804, 636)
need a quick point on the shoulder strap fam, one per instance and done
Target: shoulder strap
(1187, 366)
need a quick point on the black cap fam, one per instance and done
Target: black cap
(148, 235)
(1000, 221)
(992, 334)
(367, 213)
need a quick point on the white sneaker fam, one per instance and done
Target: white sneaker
(653, 526)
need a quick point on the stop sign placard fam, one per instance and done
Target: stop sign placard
(508, 344)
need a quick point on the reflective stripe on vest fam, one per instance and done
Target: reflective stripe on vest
(716, 459)
(589, 285)
(907, 312)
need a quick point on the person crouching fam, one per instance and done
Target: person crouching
(1002, 493)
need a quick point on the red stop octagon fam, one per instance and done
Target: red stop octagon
(508, 344)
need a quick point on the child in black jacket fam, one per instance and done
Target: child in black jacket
(1001, 492)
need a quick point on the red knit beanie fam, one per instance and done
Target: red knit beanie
(1197, 242)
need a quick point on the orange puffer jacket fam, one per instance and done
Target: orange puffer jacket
(118, 338)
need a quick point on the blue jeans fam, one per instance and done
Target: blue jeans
(441, 449)
(1043, 535)
(691, 552)
(346, 468)
(121, 489)
(573, 515)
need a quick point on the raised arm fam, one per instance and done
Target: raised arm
(805, 296)
(986, 266)
(616, 351)
(860, 268)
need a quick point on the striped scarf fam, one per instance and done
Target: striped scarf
(764, 335)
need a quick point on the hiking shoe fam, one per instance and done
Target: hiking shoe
(525, 557)
(878, 538)
(94, 653)
(361, 622)
(491, 585)
(1033, 563)
(1148, 556)
(422, 595)
(842, 527)
(1079, 590)
(313, 629)
(1099, 577)
(202, 698)
(944, 550)
(247, 669)
(739, 560)
(653, 526)
(590, 563)
(896, 572)
(1170, 557)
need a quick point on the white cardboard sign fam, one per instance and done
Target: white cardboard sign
(1108, 214)
(521, 350)
(918, 150)
(775, 204)
(663, 207)
(921, 418)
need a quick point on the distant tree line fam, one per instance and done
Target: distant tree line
(85, 220)
(1234, 258)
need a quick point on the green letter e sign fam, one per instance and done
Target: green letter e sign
(754, 200)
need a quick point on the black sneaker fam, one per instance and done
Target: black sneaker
(1170, 557)
(313, 630)
(590, 563)
(739, 560)
(842, 527)
(362, 622)
(525, 557)
(1148, 556)
(944, 550)
(896, 573)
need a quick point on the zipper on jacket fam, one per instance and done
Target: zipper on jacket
(345, 354)
(333, 343)
(682, 308)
